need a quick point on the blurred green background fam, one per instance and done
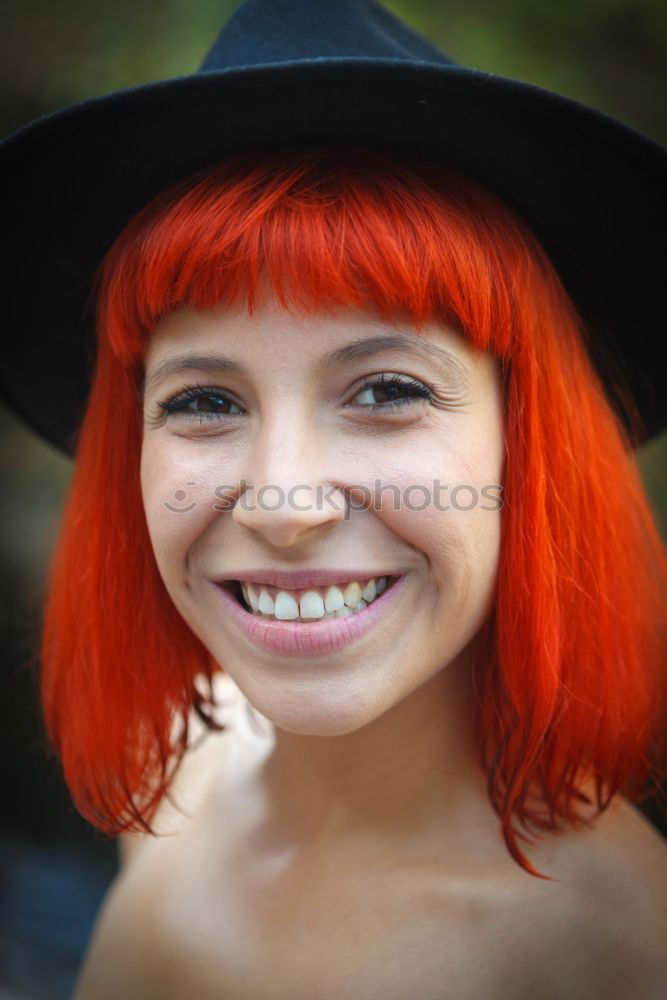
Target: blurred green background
(608, 53)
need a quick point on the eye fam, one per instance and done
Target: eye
(399, 390)
(203, 401)
(206, 402)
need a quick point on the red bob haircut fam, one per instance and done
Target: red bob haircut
(571, 687)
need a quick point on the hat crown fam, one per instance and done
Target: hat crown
(277, 31)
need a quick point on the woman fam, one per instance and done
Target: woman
(345, 456)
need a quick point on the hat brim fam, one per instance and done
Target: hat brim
(591, 189)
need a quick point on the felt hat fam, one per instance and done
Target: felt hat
(288, 72)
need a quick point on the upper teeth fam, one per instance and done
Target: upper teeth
(331, 602)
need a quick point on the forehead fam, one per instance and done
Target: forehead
(233, 340)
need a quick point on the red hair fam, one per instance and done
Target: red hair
(571, 685)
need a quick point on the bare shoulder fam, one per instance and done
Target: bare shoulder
(614, 926)
(627, 860)
(128, 953)
(118, 961)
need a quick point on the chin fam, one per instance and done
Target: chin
(321, 711)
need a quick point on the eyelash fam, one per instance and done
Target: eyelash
(178, 404)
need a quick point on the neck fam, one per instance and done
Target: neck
(408, 780)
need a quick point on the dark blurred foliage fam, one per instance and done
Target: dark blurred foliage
(608, 53)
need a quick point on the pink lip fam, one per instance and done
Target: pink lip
(309, 639)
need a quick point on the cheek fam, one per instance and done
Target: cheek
(450, 514)
(480, 544)
(437, 493)
(177, 506)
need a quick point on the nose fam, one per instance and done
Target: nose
(289, 499)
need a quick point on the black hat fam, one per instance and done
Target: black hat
(286, 72)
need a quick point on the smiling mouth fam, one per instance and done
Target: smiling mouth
(354, 603)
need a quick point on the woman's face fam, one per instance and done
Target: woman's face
(409, 491)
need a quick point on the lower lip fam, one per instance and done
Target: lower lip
(317, 638)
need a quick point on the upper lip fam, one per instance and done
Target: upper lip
(298, 579)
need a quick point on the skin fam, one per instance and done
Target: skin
(372, 744)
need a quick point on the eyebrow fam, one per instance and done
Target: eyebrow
(456, 371)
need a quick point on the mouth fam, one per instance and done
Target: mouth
(290, 638)
(354, 608)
